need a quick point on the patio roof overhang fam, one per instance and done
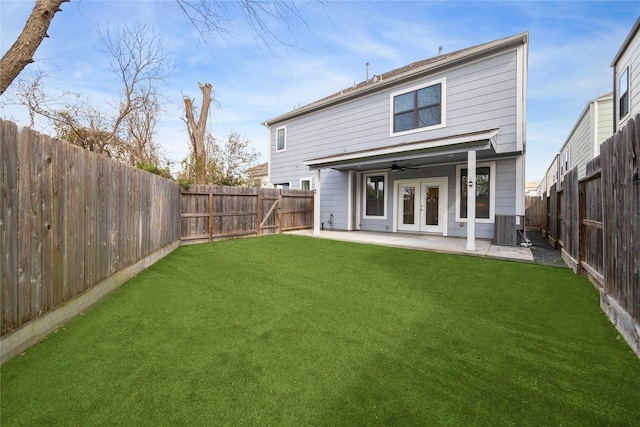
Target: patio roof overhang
(427, 152)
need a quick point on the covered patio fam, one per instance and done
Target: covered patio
(464, 149)
(484, 248)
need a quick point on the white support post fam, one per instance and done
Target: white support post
(358, 200)
(471, 200)
(349, 201)
(316, 206)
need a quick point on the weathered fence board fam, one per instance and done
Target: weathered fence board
(70, 219)
(9, 227)
(570, 220)
(534, 213)
(210, 213)
(592, 257)
(553, 209)
(621, 190)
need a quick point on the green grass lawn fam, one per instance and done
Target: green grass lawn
(294, 331)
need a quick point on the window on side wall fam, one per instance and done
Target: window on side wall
(281, 139)
(623, 90)
(375, 196)
(305, 183)
(485, 192)
(418, 108)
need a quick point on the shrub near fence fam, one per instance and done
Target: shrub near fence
(70, 219)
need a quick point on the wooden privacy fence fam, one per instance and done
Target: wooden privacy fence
(596, 223)
(210, 213)
(70, 219)
(533, 212)
(552, 216)
(591, 223)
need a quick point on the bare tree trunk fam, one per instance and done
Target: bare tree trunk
(197, 131)
(22, 51)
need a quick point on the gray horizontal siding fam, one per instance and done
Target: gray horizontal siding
(479, 96)
(333, 200)
(505, 188)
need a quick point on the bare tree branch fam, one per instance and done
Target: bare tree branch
(141, 63)
(197, 130)
(20, 54)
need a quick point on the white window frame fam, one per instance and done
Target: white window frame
(443, 107)
(285, 139)
(385, 175)
(492, 190)
(310, 179)
(626, 90)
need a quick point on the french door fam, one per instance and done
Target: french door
(422, 205)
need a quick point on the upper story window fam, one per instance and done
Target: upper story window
(281, 139)
(420, 107)
(623, 91)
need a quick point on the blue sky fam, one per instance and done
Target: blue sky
(571, 47)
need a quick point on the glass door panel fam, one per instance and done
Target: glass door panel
(421, 205)
(431, 207)
(408, 205)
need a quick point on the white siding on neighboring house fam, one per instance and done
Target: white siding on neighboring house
(591, 129)
(542, 187)
(605, 124)
(627, 60)
(551, 177)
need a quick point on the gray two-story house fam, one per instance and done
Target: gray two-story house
(435, 147)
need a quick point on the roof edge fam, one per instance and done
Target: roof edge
(626, 42)
(449, 60)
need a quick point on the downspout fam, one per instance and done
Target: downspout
(615, 100)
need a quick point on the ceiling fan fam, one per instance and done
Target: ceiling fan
(395, 167)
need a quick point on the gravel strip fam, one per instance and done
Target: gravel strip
(542, 251)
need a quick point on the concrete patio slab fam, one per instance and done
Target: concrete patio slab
(425, 242)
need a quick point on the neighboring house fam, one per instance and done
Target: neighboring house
(594, 126)
(551, 177)
(258, 176)
(626, 78)
(531, 188)
(400, 151)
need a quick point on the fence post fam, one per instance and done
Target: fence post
(210, 216)
(582, 214)
(558, 220)
(258, 213)
(279, 212)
